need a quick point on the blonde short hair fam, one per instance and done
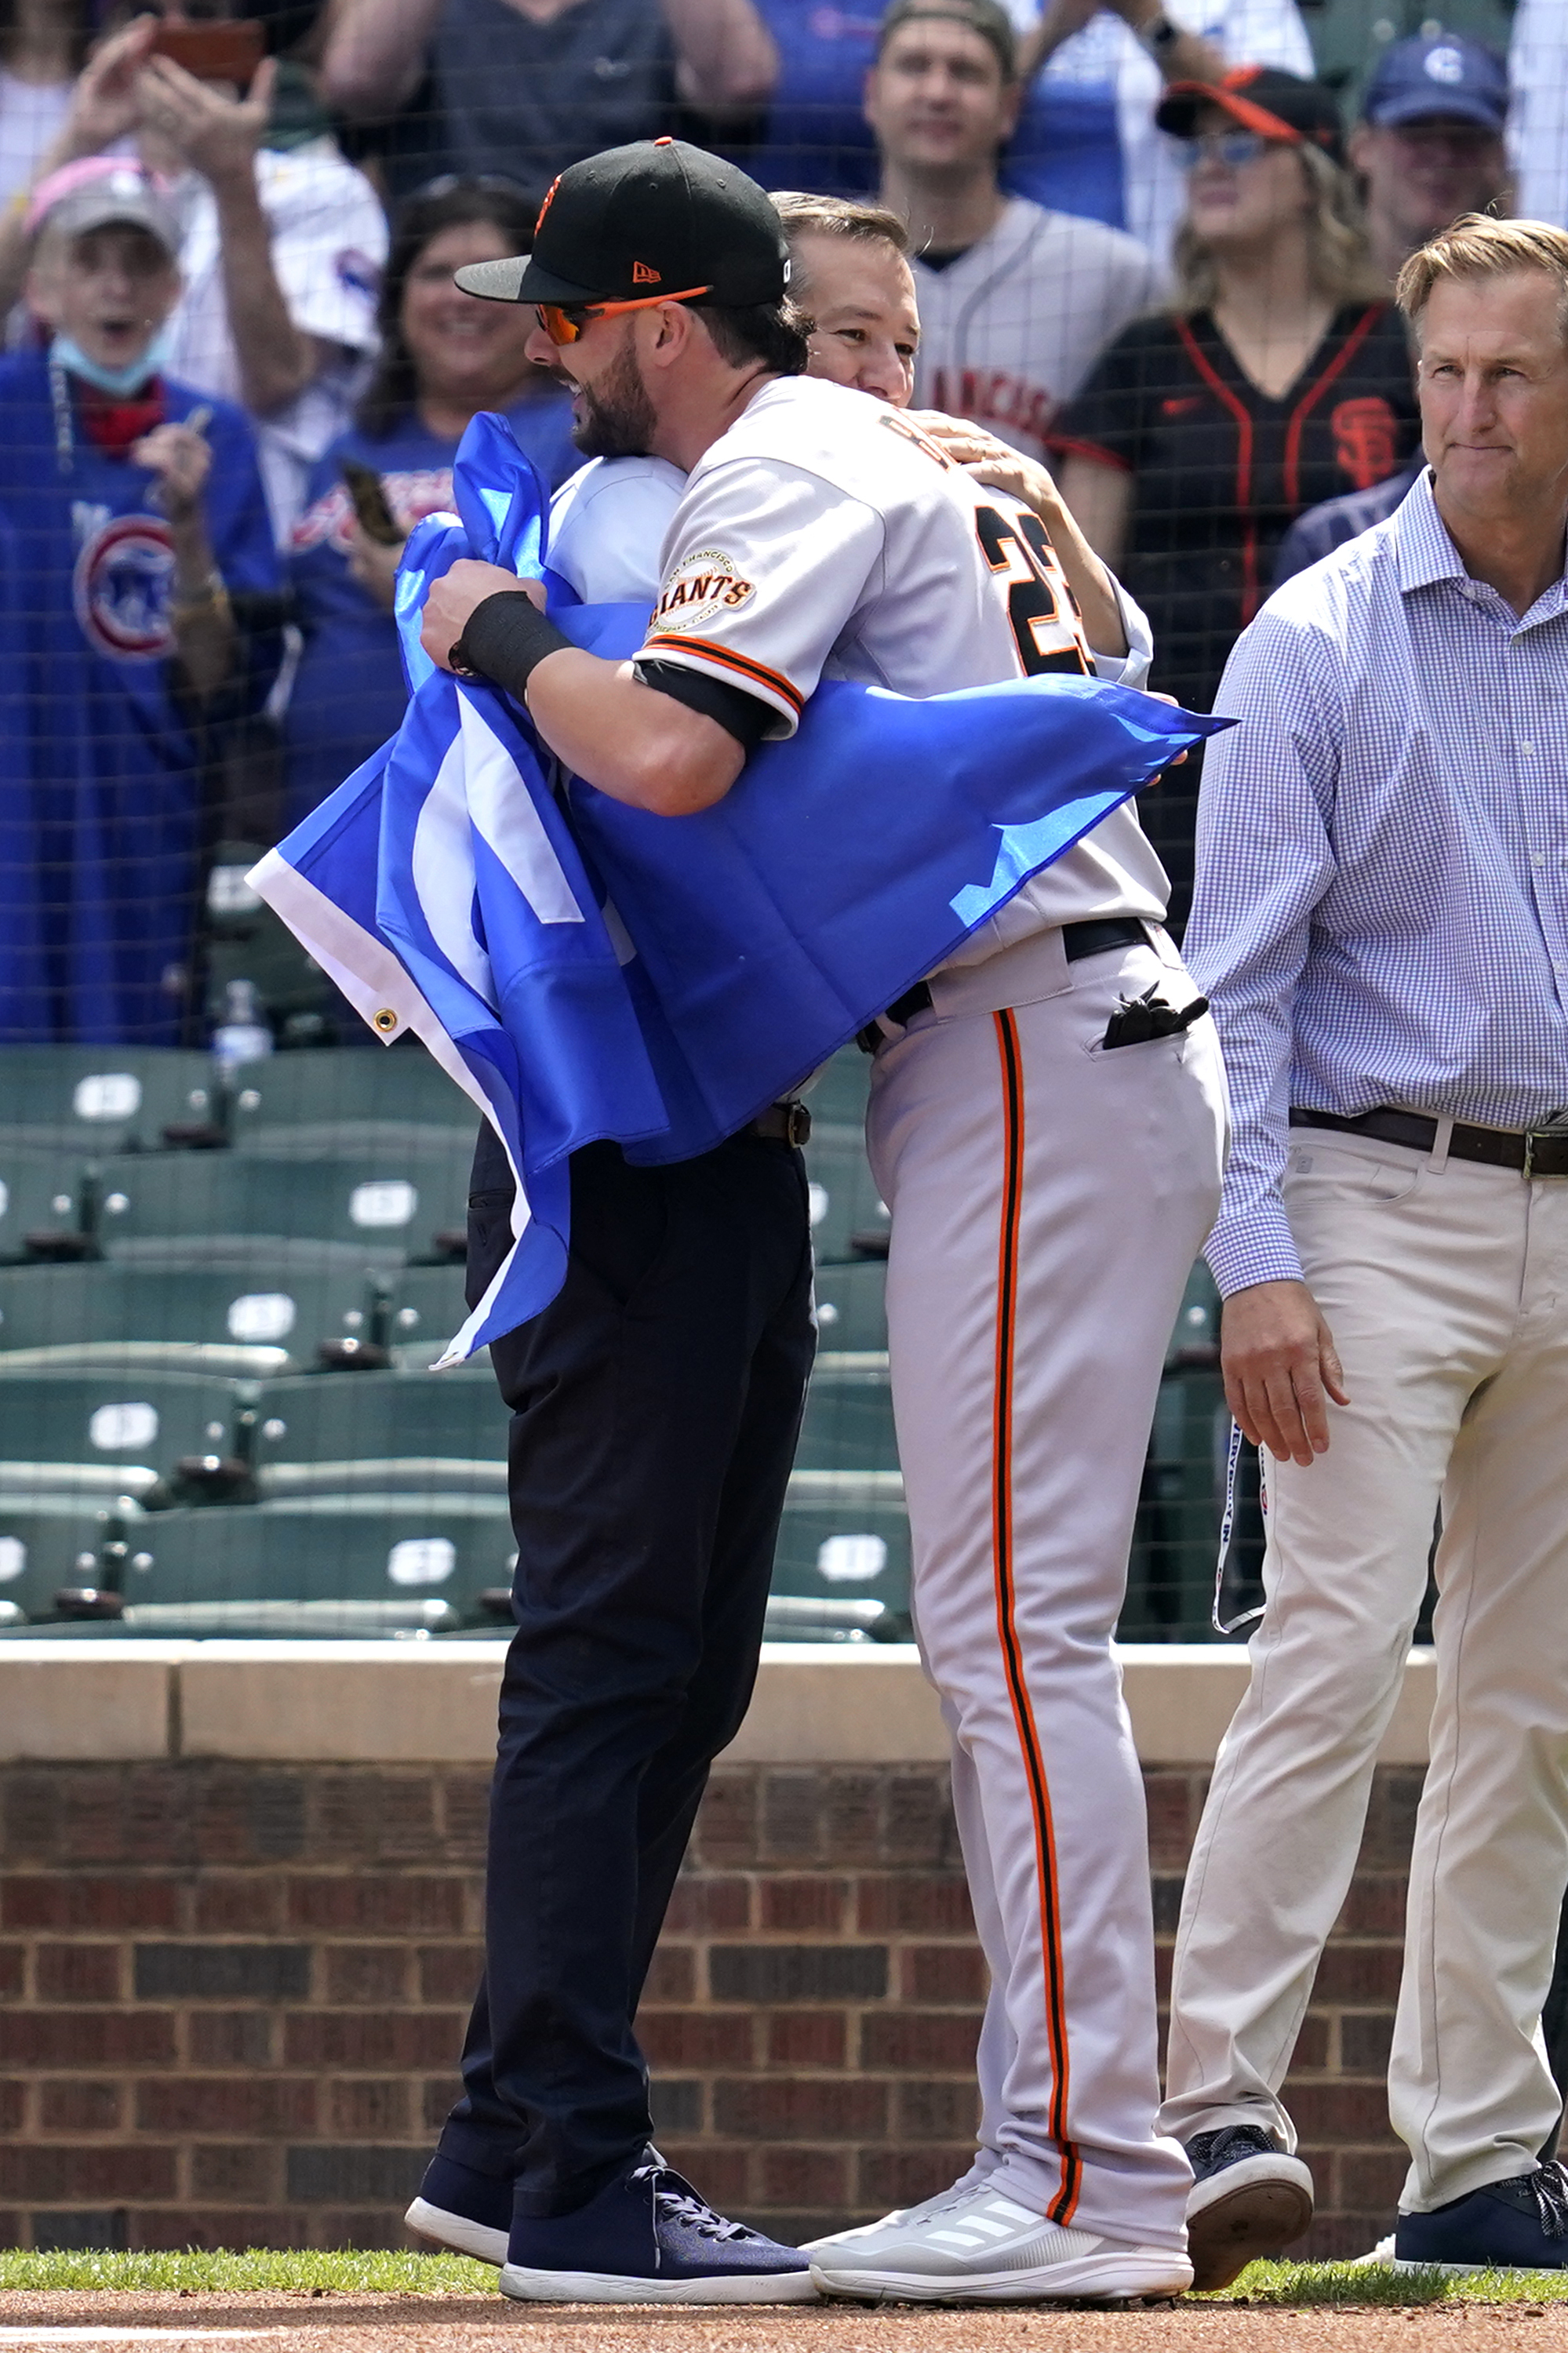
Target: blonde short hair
(1478, 247)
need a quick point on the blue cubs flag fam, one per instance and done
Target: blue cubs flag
(585, 970)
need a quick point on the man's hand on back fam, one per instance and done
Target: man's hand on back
(1278, 1358)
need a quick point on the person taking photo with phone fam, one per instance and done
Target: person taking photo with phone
(132, 532)
(443, 357)
(281, 239)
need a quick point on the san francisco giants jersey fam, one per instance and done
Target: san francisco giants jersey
(1010, 328)
(824, 536)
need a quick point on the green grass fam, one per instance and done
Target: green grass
(1308, 2284)
(375, 2271)
(372, 2271)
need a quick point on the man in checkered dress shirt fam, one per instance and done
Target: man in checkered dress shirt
(1382, 925)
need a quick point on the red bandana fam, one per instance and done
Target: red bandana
(116, 426)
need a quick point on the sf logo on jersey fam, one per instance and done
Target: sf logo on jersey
(700, 589)
(120, 588)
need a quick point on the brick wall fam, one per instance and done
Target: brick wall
(232, 1997)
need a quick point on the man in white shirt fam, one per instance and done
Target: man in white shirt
(820, 534)
(1015, 304)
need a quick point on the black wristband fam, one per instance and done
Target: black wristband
(506, 638)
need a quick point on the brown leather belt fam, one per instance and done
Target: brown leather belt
(1534, 1152)
(783, 1122)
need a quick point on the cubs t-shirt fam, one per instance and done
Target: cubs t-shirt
(102, 771)
(349, 693)
(1221, 470)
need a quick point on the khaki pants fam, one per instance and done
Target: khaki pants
(1445, 1286)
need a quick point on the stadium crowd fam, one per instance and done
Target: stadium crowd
(1149, 255)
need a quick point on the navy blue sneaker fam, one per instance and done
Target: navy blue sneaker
(647, 2237)
(469, 2213)
(1247, 2202)
(1520, 2225)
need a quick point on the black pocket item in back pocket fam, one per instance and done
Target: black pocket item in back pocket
(1139, 1018)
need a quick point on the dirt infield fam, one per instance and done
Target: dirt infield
(303, 2323)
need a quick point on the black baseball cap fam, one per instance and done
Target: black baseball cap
(656, 217)
(1265, 99)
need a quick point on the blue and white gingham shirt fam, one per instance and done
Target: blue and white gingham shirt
(1380, 914)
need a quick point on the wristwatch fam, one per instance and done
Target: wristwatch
(1160, 36)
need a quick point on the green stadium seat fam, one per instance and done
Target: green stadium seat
(845, 1202)
(845, 1533)
(113, 1414)
(41, 1192)
(848, 1423)
(347, 1419)
(264, 1302)
(838, 1092)
(850, 1311)
(50, 1539)
(97, 1097)
(322, 1092)
(387, 1203)
(427, 1310)
(326, 1550)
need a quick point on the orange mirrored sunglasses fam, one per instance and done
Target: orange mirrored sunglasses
(563, 322)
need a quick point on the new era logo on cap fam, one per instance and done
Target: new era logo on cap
(643, 276)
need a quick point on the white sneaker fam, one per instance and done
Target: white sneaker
(901, 2216)
(982, 2248)
(459, 2233)
(1382, 2253)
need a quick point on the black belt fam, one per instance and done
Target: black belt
(1078, 939)
(1534, 1152)
(783, 1122)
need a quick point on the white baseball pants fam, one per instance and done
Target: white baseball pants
(1048, 1198)
(1445, 1286)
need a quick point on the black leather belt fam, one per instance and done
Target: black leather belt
(783, 1122)
(1078, 939)
(1534, 1152)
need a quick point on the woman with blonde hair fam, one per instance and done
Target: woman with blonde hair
(1280, 376)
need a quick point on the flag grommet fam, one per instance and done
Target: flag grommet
(386, 1020)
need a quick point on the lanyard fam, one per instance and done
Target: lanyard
(1232, 1456)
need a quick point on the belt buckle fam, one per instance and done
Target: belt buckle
(1555, 1134)
(797, 1123)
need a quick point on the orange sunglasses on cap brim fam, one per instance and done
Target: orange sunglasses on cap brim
(563, 322)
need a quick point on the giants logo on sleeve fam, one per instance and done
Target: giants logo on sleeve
(701, 587)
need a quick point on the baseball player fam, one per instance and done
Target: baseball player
(1033, 1279)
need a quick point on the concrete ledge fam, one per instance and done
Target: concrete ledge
(82, 1703)
(434, 1702)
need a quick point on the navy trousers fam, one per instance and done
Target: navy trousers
(655, 1407)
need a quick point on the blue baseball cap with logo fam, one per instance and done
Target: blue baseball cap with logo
(1438, 77)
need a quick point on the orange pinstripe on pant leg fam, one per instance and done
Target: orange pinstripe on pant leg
(1063, 2204)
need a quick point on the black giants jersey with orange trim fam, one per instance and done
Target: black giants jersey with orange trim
(1221, 470)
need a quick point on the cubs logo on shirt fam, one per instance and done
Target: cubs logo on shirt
(700, 589)
(120, 588)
